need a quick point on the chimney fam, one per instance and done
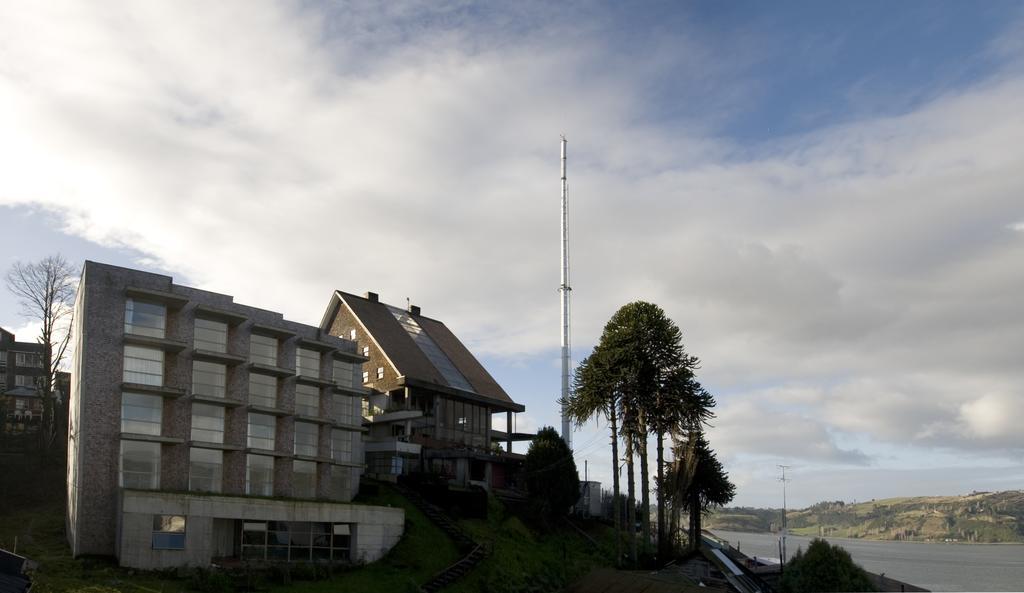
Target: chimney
(414, 309)
(370, 296)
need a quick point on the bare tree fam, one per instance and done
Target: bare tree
(46, 293)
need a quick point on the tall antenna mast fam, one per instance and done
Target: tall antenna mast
(565, 290)
(785, 528)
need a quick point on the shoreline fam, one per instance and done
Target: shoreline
(865, 539)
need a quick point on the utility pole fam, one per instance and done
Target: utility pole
(785, 528)
(565, 290)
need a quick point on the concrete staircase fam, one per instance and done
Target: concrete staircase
(473, 553)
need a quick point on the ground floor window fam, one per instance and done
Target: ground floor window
(259, 475)
(296, 541)
(168, 532)
(304, 479)
(140, 465)
(385, 464)
(205, 468)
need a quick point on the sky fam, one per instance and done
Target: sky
(825, 197)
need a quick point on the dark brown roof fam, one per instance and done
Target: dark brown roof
(409, 359)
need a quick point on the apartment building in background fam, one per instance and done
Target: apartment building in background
(21, 369)
(431, 401)
(202, 431)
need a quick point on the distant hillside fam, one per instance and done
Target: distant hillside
(985, 517)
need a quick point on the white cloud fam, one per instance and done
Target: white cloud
(276, 152)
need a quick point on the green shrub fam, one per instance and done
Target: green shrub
(823, 567)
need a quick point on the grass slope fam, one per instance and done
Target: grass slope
(524, 559)
(988, 517)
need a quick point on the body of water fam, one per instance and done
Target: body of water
(934, 566)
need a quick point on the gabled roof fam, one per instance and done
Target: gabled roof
(421, 349)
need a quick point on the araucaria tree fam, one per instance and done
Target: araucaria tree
(697, 481)
(641, 379)
(46, 293)
(552, 482)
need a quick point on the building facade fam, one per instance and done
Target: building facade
(431, 401)
(21, 370)
(201, 430)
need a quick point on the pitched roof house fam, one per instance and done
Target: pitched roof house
(431, 400)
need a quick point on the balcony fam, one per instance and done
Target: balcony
(395, 446)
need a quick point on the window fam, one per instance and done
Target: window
(263, 349)
(28, 359)
(259, 475)
(344, 372)
(307, 400)
(140, 465)
(366, 376)
(145, 319)
(307, 363)
(296, 541)
(168, 532)
(205, 469)
(380, 372)
(209, 378)
(352, 334)
(344, 409)
(366, 351)
(143, 365)
(262, 390)
(24, 381)
(141, 414)
(304, 479)
(306, 438)
(340, 483)
(261, 431)
(211, 335)
(341, 445)
(207, 423)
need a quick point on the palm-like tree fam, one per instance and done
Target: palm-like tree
(698, 480)
(595, 395)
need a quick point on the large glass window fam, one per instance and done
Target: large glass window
(141, 414)
(259, 475)
(304, 479)
(344, 373)
(145, 319)
(140, 465)
(262, 390)
(168, 532)
(207, 423)
(261, 431)
(209, 378)
(307, 400)
(263, 349)
(307, 363)
(211, 335)
(24, 381)
(295, 541)
(345, 409)
(306, 438)
(205, 469)
(341, 445)
(143, 365)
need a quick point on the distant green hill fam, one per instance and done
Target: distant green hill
(984, 517)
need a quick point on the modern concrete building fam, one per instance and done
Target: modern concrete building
(202, 430)
(431, 401)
